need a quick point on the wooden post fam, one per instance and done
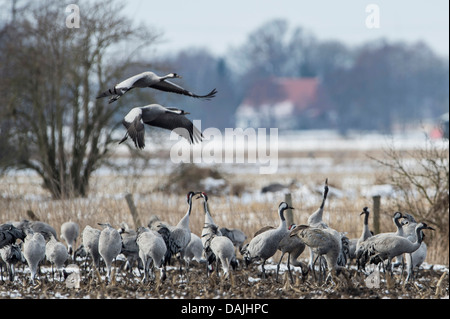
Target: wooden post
(376, 214)
(133, 210)
(288, 215)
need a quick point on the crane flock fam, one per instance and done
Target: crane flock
(153, 247)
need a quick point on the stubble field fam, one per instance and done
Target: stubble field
(235, 201)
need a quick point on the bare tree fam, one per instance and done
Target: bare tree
(49, 77)
(421, 178)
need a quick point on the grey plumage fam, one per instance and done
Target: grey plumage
(37, 226)
(194, 250)
(130, 247)
(416, 258)
(378, 249)
(70, 232)
(322, 243)
(365, 232)
(315, 220)
(56, 253)
(361, 253)
(294, 247)
(236, 236)
(11, 255)
(223, 250)
(159, 116)
(34, 251)
(151, 80)
(9, 234)
(152, 249)
(264, 245)
(90, 243)
(109, 246)
(178, 237)
(209, 226)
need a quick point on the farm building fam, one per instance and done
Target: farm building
(286, 103)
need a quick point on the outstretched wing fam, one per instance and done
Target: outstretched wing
(178, 123)
(136, 131)
(174, 88)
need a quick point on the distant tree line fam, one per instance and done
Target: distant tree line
(373, 86)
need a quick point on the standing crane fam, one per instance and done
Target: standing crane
(264, 245)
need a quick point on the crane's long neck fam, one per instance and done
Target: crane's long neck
(316, 217)
(208, 218)
(399, 227)
(185, 220)
(419, 235)
(366, 232)
(167, 76)
(325, 193)
(282, 224)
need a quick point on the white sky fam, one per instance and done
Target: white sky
(219, 25)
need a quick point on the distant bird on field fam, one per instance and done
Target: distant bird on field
(160, 116)
(151, 80)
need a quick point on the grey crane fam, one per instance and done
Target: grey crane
(130, 248)
(194, 250)
(56, 253)
(209, 226)
(321, 243)
(365, 233)
(264, 245)
(37, 226)
(91, 237)
(361, 255)
(11, 255)
(379, 249)
(178, 237)
(293, 246)
(315, 220)
(152, 249)
(219, 248)
(209, 232)
(109, 246)
(70, 232)
(151, 80)
(416, 258)
(159, 116)
(34, 251)
(237, 236)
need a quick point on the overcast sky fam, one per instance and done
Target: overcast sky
(219, 25)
